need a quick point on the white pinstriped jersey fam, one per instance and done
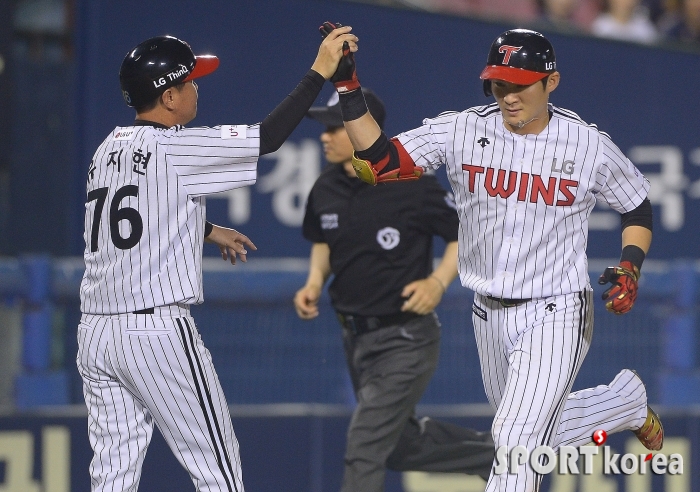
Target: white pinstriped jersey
(524, 200)
(145, 211)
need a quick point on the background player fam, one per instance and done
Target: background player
(139, 352)
(526, 176)
(384, 291)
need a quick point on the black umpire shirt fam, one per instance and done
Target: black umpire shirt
(380, 237)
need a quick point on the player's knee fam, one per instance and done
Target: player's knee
(509, 433)
(500, 432)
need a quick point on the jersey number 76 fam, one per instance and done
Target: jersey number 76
(116, 215)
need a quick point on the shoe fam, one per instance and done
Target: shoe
(651, 434)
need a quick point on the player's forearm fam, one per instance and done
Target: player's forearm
(446, 270)
(636, 233)
(319, 265)
(637, 236)
(636, 241)
(282, 121)
(363, 132)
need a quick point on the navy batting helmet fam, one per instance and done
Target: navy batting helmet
(519, 56)
(157, 64)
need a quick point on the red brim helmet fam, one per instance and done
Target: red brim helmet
(203, 65)
(519, 56)
(158, 64)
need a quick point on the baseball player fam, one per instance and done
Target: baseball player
(526, 175)
(384, 291)
(140, 355)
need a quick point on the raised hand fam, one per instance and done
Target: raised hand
(337, 43)
(345, 76)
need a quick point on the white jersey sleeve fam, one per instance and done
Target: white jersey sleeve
(145, 211)
(426, 144)
(212, 160)
(621, 184)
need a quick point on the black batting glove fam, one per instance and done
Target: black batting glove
(345, 76)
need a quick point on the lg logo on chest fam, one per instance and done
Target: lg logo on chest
(566, 167)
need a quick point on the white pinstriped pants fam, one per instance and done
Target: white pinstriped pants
(141, 369)
(530, 355)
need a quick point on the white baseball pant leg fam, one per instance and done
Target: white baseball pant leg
(530, 356)
(143, 369)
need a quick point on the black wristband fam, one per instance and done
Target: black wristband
(208, 227)
(352, 104)
(633, 254)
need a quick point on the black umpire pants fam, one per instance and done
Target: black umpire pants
(390, 369)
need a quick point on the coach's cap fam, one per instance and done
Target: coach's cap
(520, 56)
(331, 116)
(157, 64)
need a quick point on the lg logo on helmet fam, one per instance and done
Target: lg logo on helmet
(159, 83)
(508, 50)
(174, 75)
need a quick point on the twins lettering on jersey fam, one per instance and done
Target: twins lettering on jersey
(529, 187)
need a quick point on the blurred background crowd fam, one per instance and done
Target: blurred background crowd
(43, 27)
(642, 21)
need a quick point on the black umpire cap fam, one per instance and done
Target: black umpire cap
(331, 116)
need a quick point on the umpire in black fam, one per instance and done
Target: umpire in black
(377, 242)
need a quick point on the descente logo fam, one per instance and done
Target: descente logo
(543, 460)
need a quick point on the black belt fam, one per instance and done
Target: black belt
(144, 311)
(363, 324)
(508, 302)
